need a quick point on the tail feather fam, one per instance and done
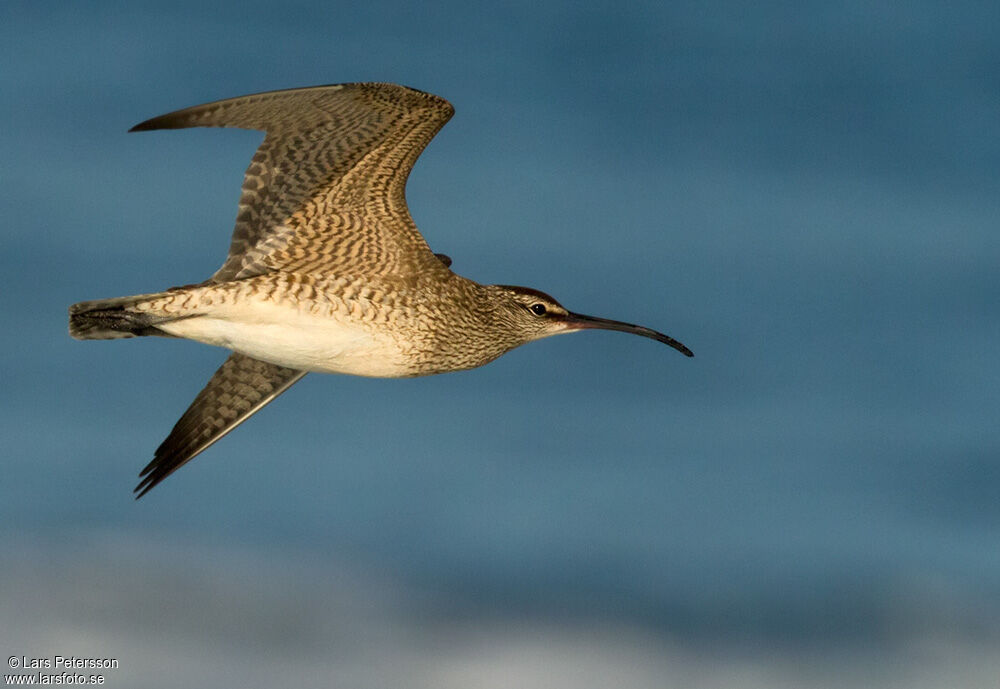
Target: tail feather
(113, 319)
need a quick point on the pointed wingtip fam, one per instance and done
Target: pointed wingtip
(150, 478)
(144, 487)
(147, 125)
(172, 120)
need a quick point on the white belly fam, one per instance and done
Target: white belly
(289, 337)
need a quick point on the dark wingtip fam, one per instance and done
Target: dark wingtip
(144, 487)
(172, 120)
(150, 478)
(146, 126)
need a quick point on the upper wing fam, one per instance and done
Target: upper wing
(326, 189)
(240, 388)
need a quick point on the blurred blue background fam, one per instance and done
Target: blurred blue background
(806, 194)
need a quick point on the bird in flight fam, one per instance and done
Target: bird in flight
(326, 270)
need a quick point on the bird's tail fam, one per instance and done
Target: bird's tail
(113, 319)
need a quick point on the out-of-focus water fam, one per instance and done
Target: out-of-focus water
(806, 196)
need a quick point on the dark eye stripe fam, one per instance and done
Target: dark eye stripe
(538, 309)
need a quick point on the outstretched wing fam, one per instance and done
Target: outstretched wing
(240, 388)
(325, 191)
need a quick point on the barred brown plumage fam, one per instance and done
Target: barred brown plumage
(326, 269)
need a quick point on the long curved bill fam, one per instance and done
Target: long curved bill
(578, 321)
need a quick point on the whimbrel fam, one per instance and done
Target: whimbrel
(326, 270)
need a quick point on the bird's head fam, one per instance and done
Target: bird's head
(534, 315)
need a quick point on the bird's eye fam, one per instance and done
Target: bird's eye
(538, 309)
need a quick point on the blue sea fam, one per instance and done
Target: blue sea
(805, 194)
